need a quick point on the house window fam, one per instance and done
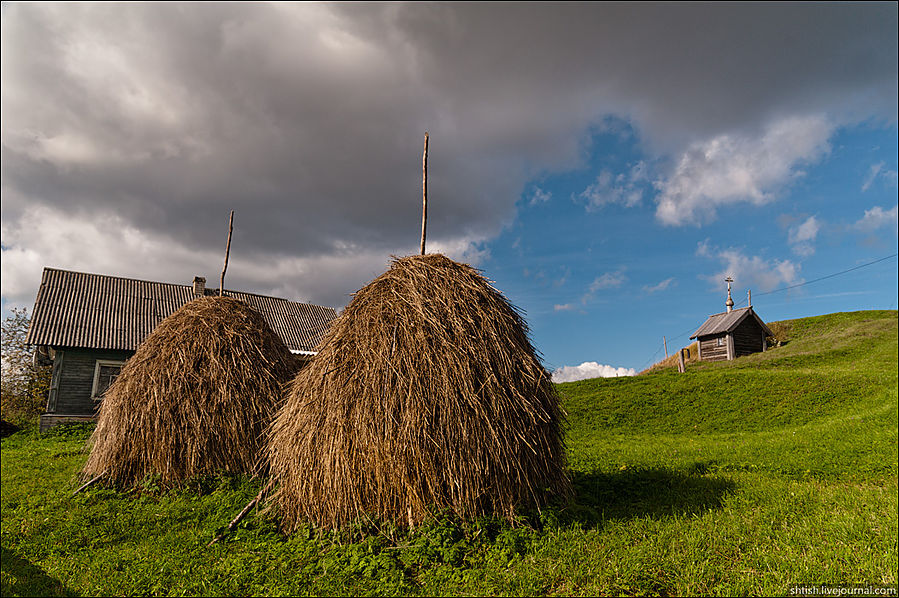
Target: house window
(104, 374)
(720, 341)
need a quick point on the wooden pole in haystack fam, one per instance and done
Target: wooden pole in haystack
(227, 252)
(424, 194)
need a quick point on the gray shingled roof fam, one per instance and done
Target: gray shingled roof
(74, 309)
(727, 322)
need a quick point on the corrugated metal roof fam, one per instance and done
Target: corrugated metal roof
(727, 322)
(75, 309)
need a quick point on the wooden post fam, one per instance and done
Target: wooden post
(665, 342)
(227, 252)
(90, 483)
(731, 352)
(424, 194)
(681, 367)
(243, 513)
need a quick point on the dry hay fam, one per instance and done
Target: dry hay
(195, 399)
(426, 394)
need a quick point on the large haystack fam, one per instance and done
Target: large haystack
(195, 399)
(426, 394)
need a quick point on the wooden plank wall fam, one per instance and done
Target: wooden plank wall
(710, 350)
(76, 379)
(748, 337)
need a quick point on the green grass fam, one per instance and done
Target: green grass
(738, 478)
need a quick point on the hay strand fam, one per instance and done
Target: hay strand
(194, 399)
(426, 394)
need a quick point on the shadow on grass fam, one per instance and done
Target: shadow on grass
(28, 579)
(654, 492)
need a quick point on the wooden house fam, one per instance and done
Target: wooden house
(732, 333)
(88, 325)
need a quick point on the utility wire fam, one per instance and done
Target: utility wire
(648, 361)
(802, 284)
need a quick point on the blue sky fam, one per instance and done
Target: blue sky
(650, 279)
(607, 165)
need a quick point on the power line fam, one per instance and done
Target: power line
(648, 361)
(802, 284)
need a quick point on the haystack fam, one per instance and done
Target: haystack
(195, 399)
(426, 394)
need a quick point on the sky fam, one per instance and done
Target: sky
(606, 165)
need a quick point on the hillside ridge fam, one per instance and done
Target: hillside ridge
(827, 365)
(785, 331)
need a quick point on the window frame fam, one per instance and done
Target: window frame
(97, 365)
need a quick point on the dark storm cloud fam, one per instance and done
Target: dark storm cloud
(308, 119)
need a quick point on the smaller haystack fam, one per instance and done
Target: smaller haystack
(426, 394)
(194, 399)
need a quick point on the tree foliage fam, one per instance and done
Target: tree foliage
(24, 384)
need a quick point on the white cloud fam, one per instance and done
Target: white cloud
(623, 189)
(468, 251)
(872, 174)
(609, 280)
(307, 119)
(109, 245)
(749, 272)
(807, 231)
(540, 196)
(877, 218)
(733, 168)
(877, 171)
(564, 307)
(801, 237)
(559, 282)
(660, 286)
(589, 369)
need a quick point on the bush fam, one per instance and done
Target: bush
(24, 384)
(780, 332)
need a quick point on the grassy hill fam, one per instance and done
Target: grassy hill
(747, 477)
(823, 404)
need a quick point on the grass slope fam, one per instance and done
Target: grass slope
(747, 477)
